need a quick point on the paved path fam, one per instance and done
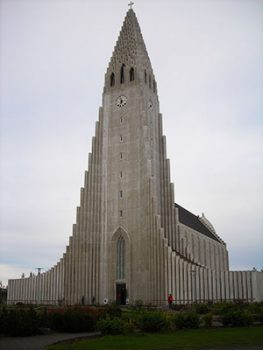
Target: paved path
(39, 342)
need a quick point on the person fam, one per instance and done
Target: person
(170, 301)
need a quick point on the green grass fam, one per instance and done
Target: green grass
(185, 339)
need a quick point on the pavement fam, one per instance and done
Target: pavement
(39, 342)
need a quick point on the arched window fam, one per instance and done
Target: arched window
(150, 82)
(131, 74)
(112, 79)
(120, 271)
(122, 74)
(145, 76)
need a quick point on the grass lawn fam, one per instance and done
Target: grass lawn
(184, 339)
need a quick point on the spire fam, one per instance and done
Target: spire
(130, 62)
(130, 49)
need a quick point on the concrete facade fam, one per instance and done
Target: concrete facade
(129, 233)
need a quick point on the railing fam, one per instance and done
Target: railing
(153, 303)
(202, 301)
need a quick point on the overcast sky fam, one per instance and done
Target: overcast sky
(207, 57)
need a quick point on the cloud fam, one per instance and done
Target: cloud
(12, 272)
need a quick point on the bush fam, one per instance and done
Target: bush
(72, 320)
(202, 308)
(179, 307)
(152, 322)
(237, 318)
(260, 315)
(17, 322)
(111, 326)
(113, 311)
(138, 303)
(208, 319)
(187, 319)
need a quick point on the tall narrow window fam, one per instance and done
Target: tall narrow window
(121, 120)
(150, 82)
(120, 194)
(121, 139)
(121, 155)
(145, 76)
(120, 173)
(120, 258)
(122, 74)
(112, 79)
(131, 74)
(121, 213)
(154, 86)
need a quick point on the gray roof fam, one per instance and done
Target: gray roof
(189, 219)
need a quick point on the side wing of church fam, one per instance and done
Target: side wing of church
(131, 241)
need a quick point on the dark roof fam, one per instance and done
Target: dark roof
(192, 221)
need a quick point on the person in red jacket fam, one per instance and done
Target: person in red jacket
(170, 300)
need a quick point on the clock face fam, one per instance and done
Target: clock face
(121, 101)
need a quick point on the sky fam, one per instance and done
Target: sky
(207, 56)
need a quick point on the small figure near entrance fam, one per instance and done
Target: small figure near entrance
(170, 301)
(121, 293)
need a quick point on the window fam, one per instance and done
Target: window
(150, 82)
(145, 76)
(122, 74)
(121, 120)
(154, 86)
(131, 74)
(121, 155)
(121, 194)
(120, 258)
(112, 79)
(121, 139)
(120, 173)
(121, 213)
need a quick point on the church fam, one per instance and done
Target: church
(131, 241)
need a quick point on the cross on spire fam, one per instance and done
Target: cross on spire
(130, 4)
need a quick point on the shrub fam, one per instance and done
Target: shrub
(113, 310)
(43, 318)
(237, 318)
(3, 320)
(187, 319)
(260, 315)
(255, 309)
(111, 326)
(179, 307)
(72, 320)
(152, 322)
(208, 319)
(201, 308)
(17, 322)
(138, 303)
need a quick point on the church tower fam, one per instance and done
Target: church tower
(118, 234)
(131, 241)
(131, 175)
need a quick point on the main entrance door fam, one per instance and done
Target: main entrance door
(121, 293)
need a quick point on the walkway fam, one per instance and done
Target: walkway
(39, 342)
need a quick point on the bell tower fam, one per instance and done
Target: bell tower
(130, 161)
